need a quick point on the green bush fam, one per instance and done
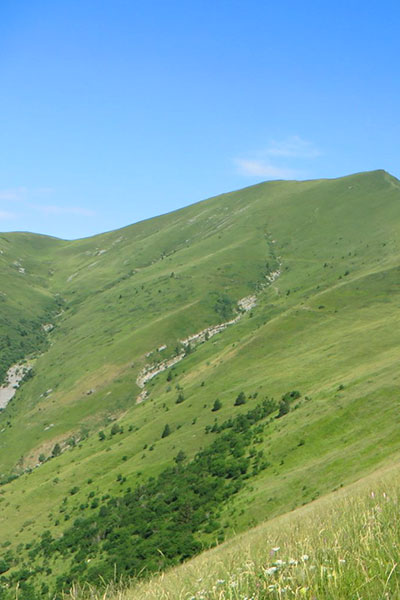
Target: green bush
(56, 450)
(180, 398)
(166, 431)
(217, 405)
(241, 399)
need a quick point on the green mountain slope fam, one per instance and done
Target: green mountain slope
(341, 546)
(25, 299)
(322, 259)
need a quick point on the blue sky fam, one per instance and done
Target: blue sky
(113, 111)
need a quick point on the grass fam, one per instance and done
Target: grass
(341, 547)
(328, 326)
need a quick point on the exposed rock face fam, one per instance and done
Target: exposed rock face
(244, 305)
(14, 376)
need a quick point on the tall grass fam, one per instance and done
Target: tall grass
(345, 546)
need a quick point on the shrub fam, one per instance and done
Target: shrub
(166, 431)
(284, 407)
(217, 405)
(115, 429)
(180, 398)
(180, 457)
(294, 395)
(56, 450)
(224, 307)
(241, 399)
(4, 566)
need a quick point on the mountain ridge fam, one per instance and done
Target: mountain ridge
(239, 190)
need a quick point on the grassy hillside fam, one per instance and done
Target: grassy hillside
(322, 259)
(339, 547)
(25, 299)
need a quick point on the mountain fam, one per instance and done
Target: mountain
(279, 301)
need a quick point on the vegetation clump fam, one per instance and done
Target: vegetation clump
(158, 523)
(240, 399)
(180, 398)
(285, 403)
(166, 431)
(217, 405)
(224, 306)
(340, 544)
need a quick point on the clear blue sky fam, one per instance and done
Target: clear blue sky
(113, 111)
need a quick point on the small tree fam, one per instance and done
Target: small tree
(287, 399)
(180, 398)
(102, 436)
(56, 450)
(166, 431)
(224, 307)
(241, 399)
(4, 566)
(284, 407)
(115, 429)
(180, 457)
(217, 405)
